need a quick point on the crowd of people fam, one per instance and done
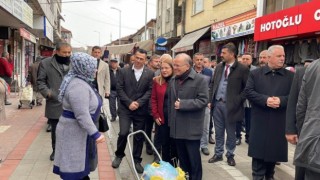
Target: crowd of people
(184, 100)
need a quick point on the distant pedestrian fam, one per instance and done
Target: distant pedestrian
(308, 122)
(263, 58)
(114, 73)
(33, 76)
(50, 75)
(268, 89)
(102, 79)
(247, 61)
(134, 90)
(198, 66)
(226, 98)
(105, 56)
(188, 98)
(6, 73)
(77, 133)
(153, 65)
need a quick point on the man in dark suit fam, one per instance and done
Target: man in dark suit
(227, 97)
(292, 128)
(134, 86)
(50, 75)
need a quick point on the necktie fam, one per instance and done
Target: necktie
(226, 71)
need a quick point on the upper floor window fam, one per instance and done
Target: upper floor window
(216, 2)
(278, 5)
(197, 6)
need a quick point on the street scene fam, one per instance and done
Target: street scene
(32, 162)
(159, 89)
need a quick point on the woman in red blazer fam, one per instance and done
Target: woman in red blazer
(159, 107)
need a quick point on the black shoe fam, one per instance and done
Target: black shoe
(278, 163)
(238, 141)
(231, 161)
(139, 168)
(49, 128)
(149, 150)
(215, 158)
(247, 141)
(7, 103)
(205, 151)
(156, 159)
(116, 162)
(52, 156)
(113, 119)
(211, 140)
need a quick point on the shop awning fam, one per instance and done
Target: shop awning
(186, 43)
(146, 45)
(121, 49)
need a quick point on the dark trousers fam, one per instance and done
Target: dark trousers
(148, 129)
(300, 173)
(246, 123)
(311, 175)
(261, 169)
(125, 121)
(164, 144)
(113, 103)
(211, 131)
(53, 123)
(247, 118)
(189, 157)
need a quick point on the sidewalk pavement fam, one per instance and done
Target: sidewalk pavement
(25, 148)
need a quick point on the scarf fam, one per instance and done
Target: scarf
(83, 66)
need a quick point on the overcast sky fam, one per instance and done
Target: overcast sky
(83, 19)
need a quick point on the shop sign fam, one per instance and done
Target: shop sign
(48, 29)
(301, 19)
(237, 26)
(17, 9)
(161, 48)
(27, 14)
(27, 35)
(7, 5)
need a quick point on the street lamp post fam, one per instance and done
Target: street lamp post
(99, 36)
(145, 26)
(119, 23)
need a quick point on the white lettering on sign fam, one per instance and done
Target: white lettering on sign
(317, 15)
(285, 22)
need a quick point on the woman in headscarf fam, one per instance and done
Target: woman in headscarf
(77, 134)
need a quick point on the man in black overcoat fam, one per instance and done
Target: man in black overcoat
(268, 89)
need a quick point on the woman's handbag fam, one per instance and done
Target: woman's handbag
(103, 123)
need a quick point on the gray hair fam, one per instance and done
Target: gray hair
(187, 59)
(62, 44)
(272, 48)
(4, 54)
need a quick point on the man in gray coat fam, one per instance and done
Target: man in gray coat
(50, 75)
(308, 115)
(188, 98)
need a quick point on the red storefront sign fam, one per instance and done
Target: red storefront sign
(298, 20)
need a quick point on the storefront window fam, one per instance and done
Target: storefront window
(278, 5)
